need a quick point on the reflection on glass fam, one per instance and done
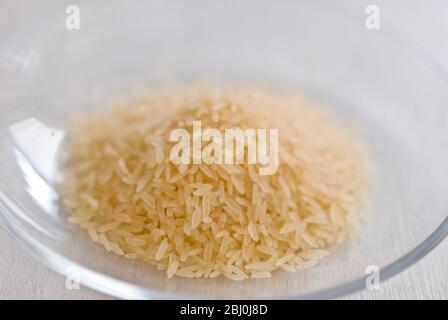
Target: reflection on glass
(36, 148)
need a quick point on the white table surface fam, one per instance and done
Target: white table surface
(21, 277)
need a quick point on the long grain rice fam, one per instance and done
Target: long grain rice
(211, 220)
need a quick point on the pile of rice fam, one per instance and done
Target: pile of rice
(212, 220)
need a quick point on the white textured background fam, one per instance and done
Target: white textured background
(426, 22)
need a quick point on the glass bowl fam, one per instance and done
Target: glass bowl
(397, 95)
